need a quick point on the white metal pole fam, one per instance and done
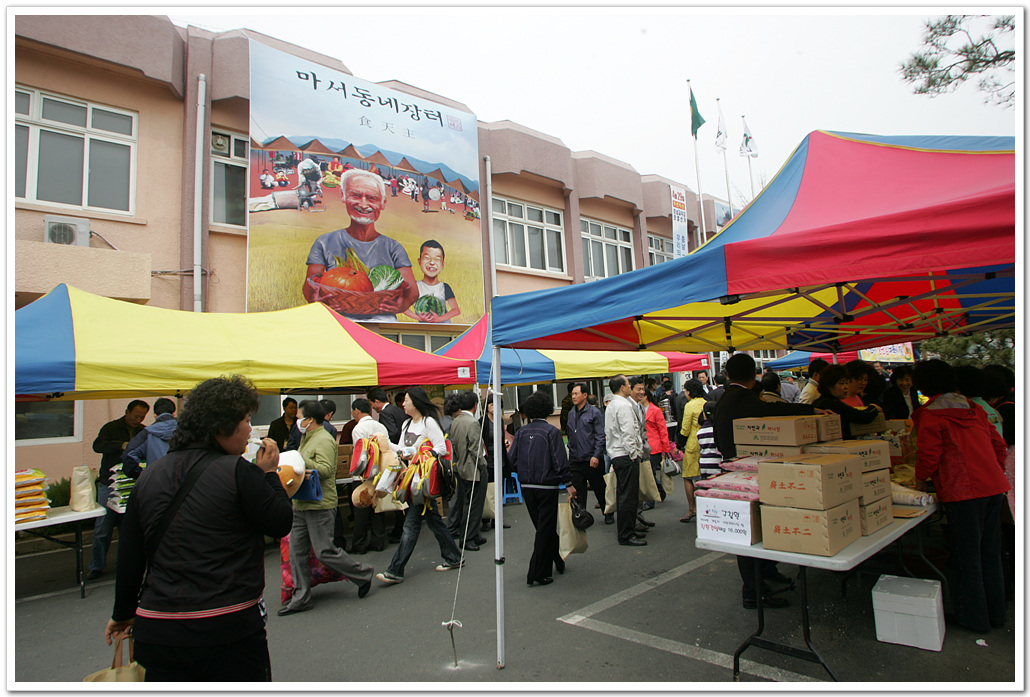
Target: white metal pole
(198, 197)
(498, 434)
(725, 165)
(750, 178)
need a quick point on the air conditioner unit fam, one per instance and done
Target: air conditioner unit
(69, 231)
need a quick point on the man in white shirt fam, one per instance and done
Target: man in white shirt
(622, 428)
(811, 391)
(369, 526)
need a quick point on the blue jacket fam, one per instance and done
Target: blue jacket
(585, 429)
(149, 445)
(538, 455)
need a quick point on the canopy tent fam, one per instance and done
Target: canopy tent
(859, 241)
(71, 344)
(526, 366)
(801, 359)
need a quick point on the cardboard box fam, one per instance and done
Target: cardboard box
(750, 449)
(775, 430)
(343, 461)
(909, 611)
(727, 520)
(874, 454)
(823, 533)
(816, 482)
(828, 426)
(875, 516)
(875, 485)
(879, 425)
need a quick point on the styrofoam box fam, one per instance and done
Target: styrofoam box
(909, 611)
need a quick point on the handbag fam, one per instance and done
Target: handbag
(570, 539)
(310, 489)
(611, 489)
(670, 466)
(648, 485)
(132, 672)
(581, 519)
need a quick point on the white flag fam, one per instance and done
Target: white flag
(747, 146)
(720, 136)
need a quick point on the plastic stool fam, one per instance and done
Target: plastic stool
(512, 490)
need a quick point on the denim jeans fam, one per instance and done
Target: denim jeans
(412, 528)
(103, 530)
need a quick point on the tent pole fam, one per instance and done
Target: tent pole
(498, 501)
(495, 375)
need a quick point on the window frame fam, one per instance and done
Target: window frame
(659, 249)
(77, 432)
(230, 160)
(547, 228)
(36, 123)
(606, 234)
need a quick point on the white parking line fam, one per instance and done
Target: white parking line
(581, 618)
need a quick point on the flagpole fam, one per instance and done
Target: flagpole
(750, 178)
(697, 167)
(725, 165)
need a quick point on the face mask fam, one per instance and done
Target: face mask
(301, 425)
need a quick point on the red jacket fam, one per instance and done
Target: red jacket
(959, 449)
(657, 431)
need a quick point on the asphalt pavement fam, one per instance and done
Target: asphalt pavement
(667, 615)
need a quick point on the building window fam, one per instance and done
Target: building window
(607, 250)
(528, 236)
(659, 249)
(40, 423)
(422, 342)
(229, 159)
(73, 153)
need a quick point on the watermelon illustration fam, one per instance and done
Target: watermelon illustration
(429, 303)
(384, 277)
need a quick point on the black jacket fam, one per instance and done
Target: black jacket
(212, 554)
(538, 455)
(848, 414)
(109, 443)
(585, 429)
(391, 417)
(740, 403)
(894, 405)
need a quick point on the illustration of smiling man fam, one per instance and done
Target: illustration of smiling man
(364, 194)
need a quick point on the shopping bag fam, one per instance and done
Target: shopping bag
(310, 489)
(83, 495)
(667, 483)
(385, 504)
(133, 672)
(488, 505)
(319, 572)
(611, 490)
(648, 486)
(571, 540)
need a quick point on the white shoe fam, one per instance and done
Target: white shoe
(388, 580)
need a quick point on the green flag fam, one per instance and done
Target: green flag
(695, 116)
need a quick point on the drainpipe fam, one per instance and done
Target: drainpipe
(198, 197)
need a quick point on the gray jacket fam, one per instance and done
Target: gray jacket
(466, 438)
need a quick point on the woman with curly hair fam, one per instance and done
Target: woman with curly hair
(192, 599)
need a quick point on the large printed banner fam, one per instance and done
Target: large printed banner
(361, 197)
(895, 353)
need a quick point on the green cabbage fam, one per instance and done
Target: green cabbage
(384, 277)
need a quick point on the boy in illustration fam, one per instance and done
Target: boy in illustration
(436, 302)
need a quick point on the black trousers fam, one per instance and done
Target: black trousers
(369, 530)
(627, 474)
(582, 473)
(746, 567)
(467, 508)
(974, 540)
(243, 660)
(542, 506)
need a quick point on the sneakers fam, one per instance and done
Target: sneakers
(388, 579)
(447, 566)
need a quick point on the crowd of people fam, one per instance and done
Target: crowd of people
(183, 588)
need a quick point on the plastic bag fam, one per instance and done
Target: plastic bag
(83, 489)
